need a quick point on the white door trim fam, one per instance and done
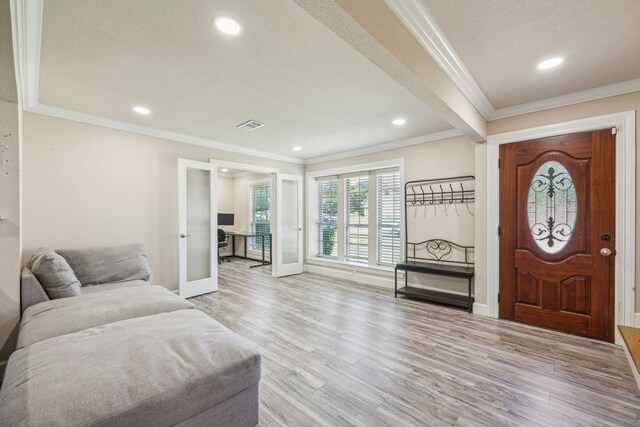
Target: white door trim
(624, 123)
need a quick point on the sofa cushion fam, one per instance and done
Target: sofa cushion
(91, 289)
(154, 370)
(54, 273)
(94, 266)
(64, 316)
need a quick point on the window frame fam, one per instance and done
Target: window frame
(312, 214)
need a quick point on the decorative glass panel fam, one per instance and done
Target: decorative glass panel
(551, 207)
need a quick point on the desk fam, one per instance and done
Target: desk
(245, 236)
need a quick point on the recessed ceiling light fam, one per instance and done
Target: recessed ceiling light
(142, 110)
(296, 148)
(224, 170)
(227, 25)
(399, 122)
(550, 63)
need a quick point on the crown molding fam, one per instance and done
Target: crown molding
(415, 16)
(29, 34)
(419, 22)
(386, 146)
(568, 99)
(63, 113)
(412, 13)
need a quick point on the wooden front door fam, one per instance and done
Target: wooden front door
(557, 225)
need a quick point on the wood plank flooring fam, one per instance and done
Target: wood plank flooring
(339, 353)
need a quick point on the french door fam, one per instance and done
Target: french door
(289, 244)
(197, 229)
(557, 232)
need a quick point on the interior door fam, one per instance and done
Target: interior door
(197, 229)
(557, 232)
(289, 245)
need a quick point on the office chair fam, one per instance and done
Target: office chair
(222, 243)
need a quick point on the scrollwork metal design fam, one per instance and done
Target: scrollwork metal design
(438, 248)
(552, 187)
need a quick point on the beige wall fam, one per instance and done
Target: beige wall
(86, 185)
(225, 194)
(10, 226)
(444, 158)
(9, 229)
(599, 107)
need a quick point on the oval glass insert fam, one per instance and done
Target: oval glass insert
(551, 207)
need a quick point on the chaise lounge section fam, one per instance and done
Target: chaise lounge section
(126, 353)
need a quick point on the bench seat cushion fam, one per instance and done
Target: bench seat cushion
(436, 268)
(156, 370)
(66, 315)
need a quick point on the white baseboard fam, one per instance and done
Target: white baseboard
(481, 309)
(349, 274)
(367, 278)
(637, 320)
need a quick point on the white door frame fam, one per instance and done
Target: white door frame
(209, 284)
(624, 123)
(215, 164)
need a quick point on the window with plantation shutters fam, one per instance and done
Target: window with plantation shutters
(388, 201)
(357, 215)
(260, 214)
(357, 218)
(328, 217)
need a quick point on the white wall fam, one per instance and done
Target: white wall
(86, 186)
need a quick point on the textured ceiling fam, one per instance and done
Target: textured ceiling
(285, 69)
(501, 42)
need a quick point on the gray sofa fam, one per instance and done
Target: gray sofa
(124, 353)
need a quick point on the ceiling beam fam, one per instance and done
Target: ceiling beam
(373, 30)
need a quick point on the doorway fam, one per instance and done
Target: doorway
(274, 232)
(269, 221)
(557, 232)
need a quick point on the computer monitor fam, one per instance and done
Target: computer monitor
(225, 219)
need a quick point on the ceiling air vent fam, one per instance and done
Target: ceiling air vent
(250, 125)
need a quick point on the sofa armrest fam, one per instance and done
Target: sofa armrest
(31, 291)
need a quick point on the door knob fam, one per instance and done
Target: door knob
(184, 236)
(605, 252)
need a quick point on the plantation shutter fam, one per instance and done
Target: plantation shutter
(260, 209)
(357, 218)
(328, 217)
(389, 201)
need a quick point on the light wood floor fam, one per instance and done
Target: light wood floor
(339, 353)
